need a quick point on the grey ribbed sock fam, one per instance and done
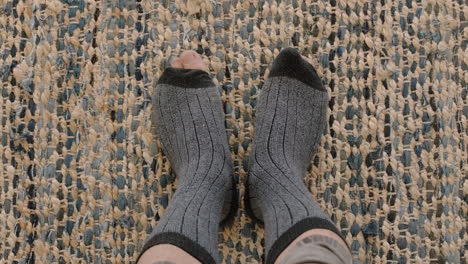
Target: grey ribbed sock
(189, 120)
(290, 119)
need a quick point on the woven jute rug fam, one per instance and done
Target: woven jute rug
(83, 178)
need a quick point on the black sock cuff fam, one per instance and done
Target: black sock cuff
(295, 231)
(180, 241)
(289, 63)
(186, 78)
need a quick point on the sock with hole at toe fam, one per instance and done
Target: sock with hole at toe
(188, 116)
(290, 119)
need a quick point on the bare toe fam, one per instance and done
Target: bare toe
(192, 60)
(176, 63)
(189, 54)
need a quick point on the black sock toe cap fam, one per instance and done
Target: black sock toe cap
(290, 63)
(186, 78)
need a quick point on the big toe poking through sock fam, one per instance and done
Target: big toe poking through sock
(290, 119)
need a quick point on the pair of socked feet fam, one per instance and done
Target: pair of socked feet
(290, 118)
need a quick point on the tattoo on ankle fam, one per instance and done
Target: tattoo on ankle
(164, 262)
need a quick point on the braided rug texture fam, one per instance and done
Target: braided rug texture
(82, 175)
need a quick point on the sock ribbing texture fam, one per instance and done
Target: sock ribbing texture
(290, 119)
(187, 112)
